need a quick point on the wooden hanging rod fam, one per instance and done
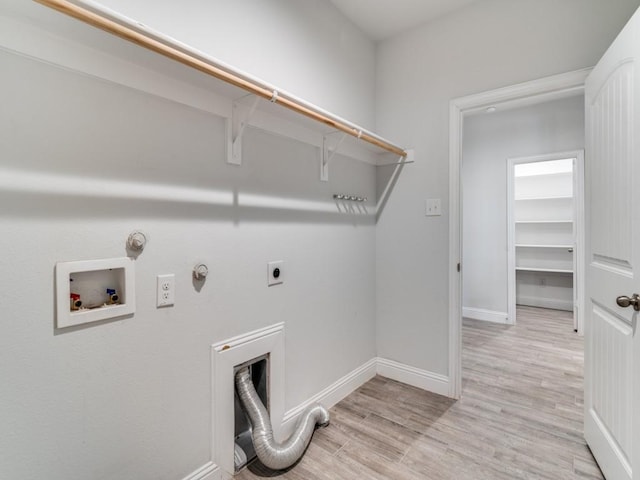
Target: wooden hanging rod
(158, 43)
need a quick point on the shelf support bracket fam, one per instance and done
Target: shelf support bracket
(328, 152)
(409, 158)
(241, 115)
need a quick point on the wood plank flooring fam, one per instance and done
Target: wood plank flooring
(520, 416)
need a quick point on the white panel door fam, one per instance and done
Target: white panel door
(612, 350)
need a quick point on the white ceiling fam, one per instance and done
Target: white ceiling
(381, 19)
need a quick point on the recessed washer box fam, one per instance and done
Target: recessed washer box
(93, 290)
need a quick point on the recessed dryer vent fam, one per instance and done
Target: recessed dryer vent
(264, 350)
(272, 454)
(258, 369)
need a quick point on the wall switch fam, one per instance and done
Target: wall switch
(166, 290)
(275, 272)
(433, 207)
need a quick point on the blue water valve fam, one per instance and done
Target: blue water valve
(113, 295)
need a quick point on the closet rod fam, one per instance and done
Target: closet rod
(122, 27)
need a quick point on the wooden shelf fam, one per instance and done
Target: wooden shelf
(522, 245)
(543, 208)
(561, 197)
(543, 221)
(547, 175)
(544, 270)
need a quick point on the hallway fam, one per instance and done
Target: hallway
(520, 416)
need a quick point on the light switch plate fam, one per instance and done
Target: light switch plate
(433, 207)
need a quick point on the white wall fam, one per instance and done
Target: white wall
(84, 162)
(488, 141)
(490, 44)
(305, 47)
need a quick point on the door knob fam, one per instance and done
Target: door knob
(570, 250)
(624, 301)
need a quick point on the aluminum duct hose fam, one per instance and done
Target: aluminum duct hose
(272, 454)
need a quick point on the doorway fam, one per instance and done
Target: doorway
(545, 218)
(497, 146)
(530, 93)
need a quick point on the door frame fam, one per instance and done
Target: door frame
(578, 236)
(523, 94)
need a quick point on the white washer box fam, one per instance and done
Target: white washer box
(93, 281)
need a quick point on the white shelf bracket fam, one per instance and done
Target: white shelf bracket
(241, 115)
(328, 152)
(395, 160)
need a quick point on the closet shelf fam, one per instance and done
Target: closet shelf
(560, 197)
(546, 270)
(139, 34)
(526, 245)
(544, 221)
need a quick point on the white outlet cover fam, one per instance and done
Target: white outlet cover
(272, 277)
(166, 290)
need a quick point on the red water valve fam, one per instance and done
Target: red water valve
(76, 303)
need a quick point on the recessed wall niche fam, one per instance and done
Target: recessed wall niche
(93, 290)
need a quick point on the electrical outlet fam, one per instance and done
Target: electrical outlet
(166, 290)
(275, 272)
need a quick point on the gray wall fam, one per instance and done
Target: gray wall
(305, 47)
(489, 140)
(490, 44)
(84, 161)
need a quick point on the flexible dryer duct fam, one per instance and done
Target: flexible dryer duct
(272, 454)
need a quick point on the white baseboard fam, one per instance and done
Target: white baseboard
(541, 302)
(209, 471)
(486, 315)
(432, 382)
(333, 393)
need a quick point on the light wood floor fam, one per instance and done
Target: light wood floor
(520, 416)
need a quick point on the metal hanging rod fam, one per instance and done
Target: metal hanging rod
(123, 27)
